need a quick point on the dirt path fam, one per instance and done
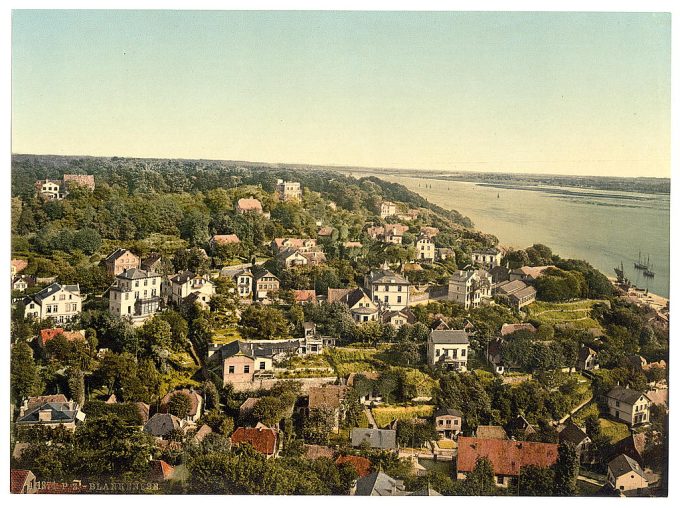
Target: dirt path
(371, 420)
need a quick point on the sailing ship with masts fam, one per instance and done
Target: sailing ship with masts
(639, 265)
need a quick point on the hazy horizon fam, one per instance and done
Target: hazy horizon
(573, 94)
(342, 166)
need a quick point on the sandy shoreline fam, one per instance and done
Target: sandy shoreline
(656, 302)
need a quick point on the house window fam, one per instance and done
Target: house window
(386, 299)
(399, 299)
(261, 365)
(399, 288)
(136, 283)
(617, 403)
(62, 297)
(462, 352)
(231, 369)
(246, 369)
(436, 352)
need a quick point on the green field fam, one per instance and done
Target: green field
(347, 360)
(576, 313)
(225, 335)
(616, 431)
(385, 414)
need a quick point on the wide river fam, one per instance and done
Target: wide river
(602, 227)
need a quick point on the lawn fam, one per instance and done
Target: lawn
(615, 431)
(576, 313)
(347, 360)
(384, 415)
(225, 335)
(424, 384)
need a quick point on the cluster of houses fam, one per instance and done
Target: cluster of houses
(243, 361)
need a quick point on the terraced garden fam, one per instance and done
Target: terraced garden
(575, 313)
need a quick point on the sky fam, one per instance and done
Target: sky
(565, 93)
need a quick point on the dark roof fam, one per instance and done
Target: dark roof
(136, 273)
(448, 412)
(623, 464)
(150, 260)
(427, 491)
(116, 254)
(377, 438)
(585, 352)
(379, 484)
(572, 434)
(162, 424)
(449, 336)
(54, 288)
(60, 413)
(183, 277)
(354, 296)
(386, 277)
(625, 395)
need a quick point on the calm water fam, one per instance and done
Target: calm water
(602, 227)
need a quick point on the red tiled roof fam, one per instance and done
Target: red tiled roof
(305, 295)
(326, 396)
(160, 470)
(507, 329)
(335, 295)
(33, 402)
(17, 479)
(262, 439)
(19, 264)
(48, 334)
(361, 464)
(226, 239)
(506, 456)
(313, 451)
(249, 204)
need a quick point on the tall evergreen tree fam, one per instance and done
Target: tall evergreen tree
(23, 372)
(566, 470)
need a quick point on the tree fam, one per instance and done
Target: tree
(23, 372)
(479, 482)
(88, 240)
(535, 481)
(179, 405)
(317, 426)
(211, 395)
(76, 385)
(109, 448)
(566, 470)
(155, 332)
(414, 434)
(263, 322)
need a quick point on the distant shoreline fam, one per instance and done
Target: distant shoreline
(536, 182)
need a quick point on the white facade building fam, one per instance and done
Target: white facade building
(135, 295)
(469, 287)
(59, 302)
(388, 289)
(448, 348)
